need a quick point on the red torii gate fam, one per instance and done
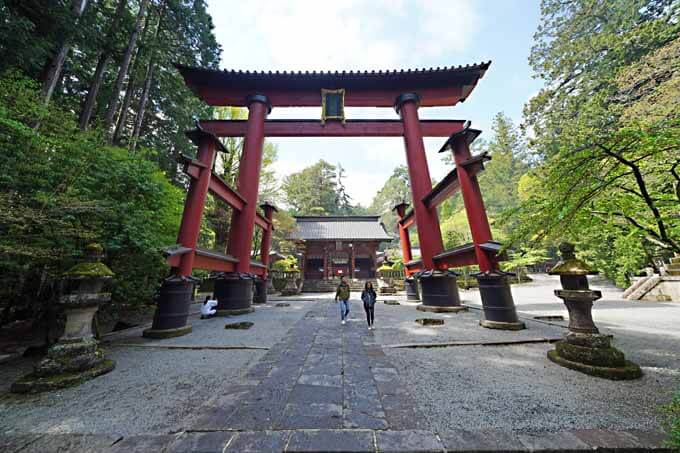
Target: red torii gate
(406, 91)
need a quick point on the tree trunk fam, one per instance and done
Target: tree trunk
(53, 73)
(148, 78)
(122, 72)
(95, 85)
(122, 117)
(142, 105)
(98, 77)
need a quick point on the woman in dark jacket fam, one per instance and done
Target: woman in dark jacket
(368, 295)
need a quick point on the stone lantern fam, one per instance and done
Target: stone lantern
(585, 349)
(75, 357)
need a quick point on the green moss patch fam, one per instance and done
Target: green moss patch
(34, 384)
(240, 325)
(604, 357)
(89, 270)
(627, 372)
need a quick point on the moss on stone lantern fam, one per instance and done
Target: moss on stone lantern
(75, 357)
(584, 349)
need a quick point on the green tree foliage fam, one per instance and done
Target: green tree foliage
(499, 181)
(396, 189)
(159, 107)
(606, 132)
(318, 190)
(61, 189)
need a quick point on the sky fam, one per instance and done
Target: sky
(382, 34)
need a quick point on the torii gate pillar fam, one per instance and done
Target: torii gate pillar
(234, 291)
(429, 234)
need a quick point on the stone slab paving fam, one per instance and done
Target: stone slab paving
(324, 375)
(341, 440)
(322, 386)
(152, 390)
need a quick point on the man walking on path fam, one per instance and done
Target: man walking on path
(342, 294)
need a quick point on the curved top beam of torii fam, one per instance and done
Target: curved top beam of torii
(436, 86)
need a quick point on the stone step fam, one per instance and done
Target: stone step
(357, 440)
(675, 260)
(644, 288)
(325, 286)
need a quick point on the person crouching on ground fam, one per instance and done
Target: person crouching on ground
(369, 296)
(208, 308)
(342, 294)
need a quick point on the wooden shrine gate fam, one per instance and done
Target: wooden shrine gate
(405, 91)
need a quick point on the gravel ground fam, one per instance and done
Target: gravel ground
(517, 388)
(513, 387)
(152, 390)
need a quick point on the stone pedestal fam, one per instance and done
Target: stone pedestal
(385, 287)
(270, 286)
(291, 288)
(584, 349)
(498, 308)
(259, 291)
(593, 354)
(75, 357)
(439, 292)
(411, 286)
(234, 293)
(172, 310)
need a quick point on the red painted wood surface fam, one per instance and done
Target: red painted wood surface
(474, 205)
(414, 266)
(408, 220)
(217, 187)
(261, 221)
(431, 97)
(267, 236)
(243, 222)
(314, 128)
(194, 204)
(449, 185)
(427, 222)
(404, 239)
(436, 86)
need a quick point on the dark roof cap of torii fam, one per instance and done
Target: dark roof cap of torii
(284, 88)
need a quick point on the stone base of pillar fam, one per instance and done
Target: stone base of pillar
(260, 291)
(499, 325)
(172, 311)
(594, 355)
(160, 334)
(234, 294)
(498, 308)
(439, 292)
(437, 309)
(411, 286)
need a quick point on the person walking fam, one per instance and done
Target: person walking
(369, 296)
(342, 294)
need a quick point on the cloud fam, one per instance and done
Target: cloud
(346, 35)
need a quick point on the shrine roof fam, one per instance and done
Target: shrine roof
(334, 228)
(436, 86)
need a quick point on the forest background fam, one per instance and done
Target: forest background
(93, 115)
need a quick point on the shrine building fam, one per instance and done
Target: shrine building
(335, 246)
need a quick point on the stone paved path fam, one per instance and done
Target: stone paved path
(325, 387)
(323, 376)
